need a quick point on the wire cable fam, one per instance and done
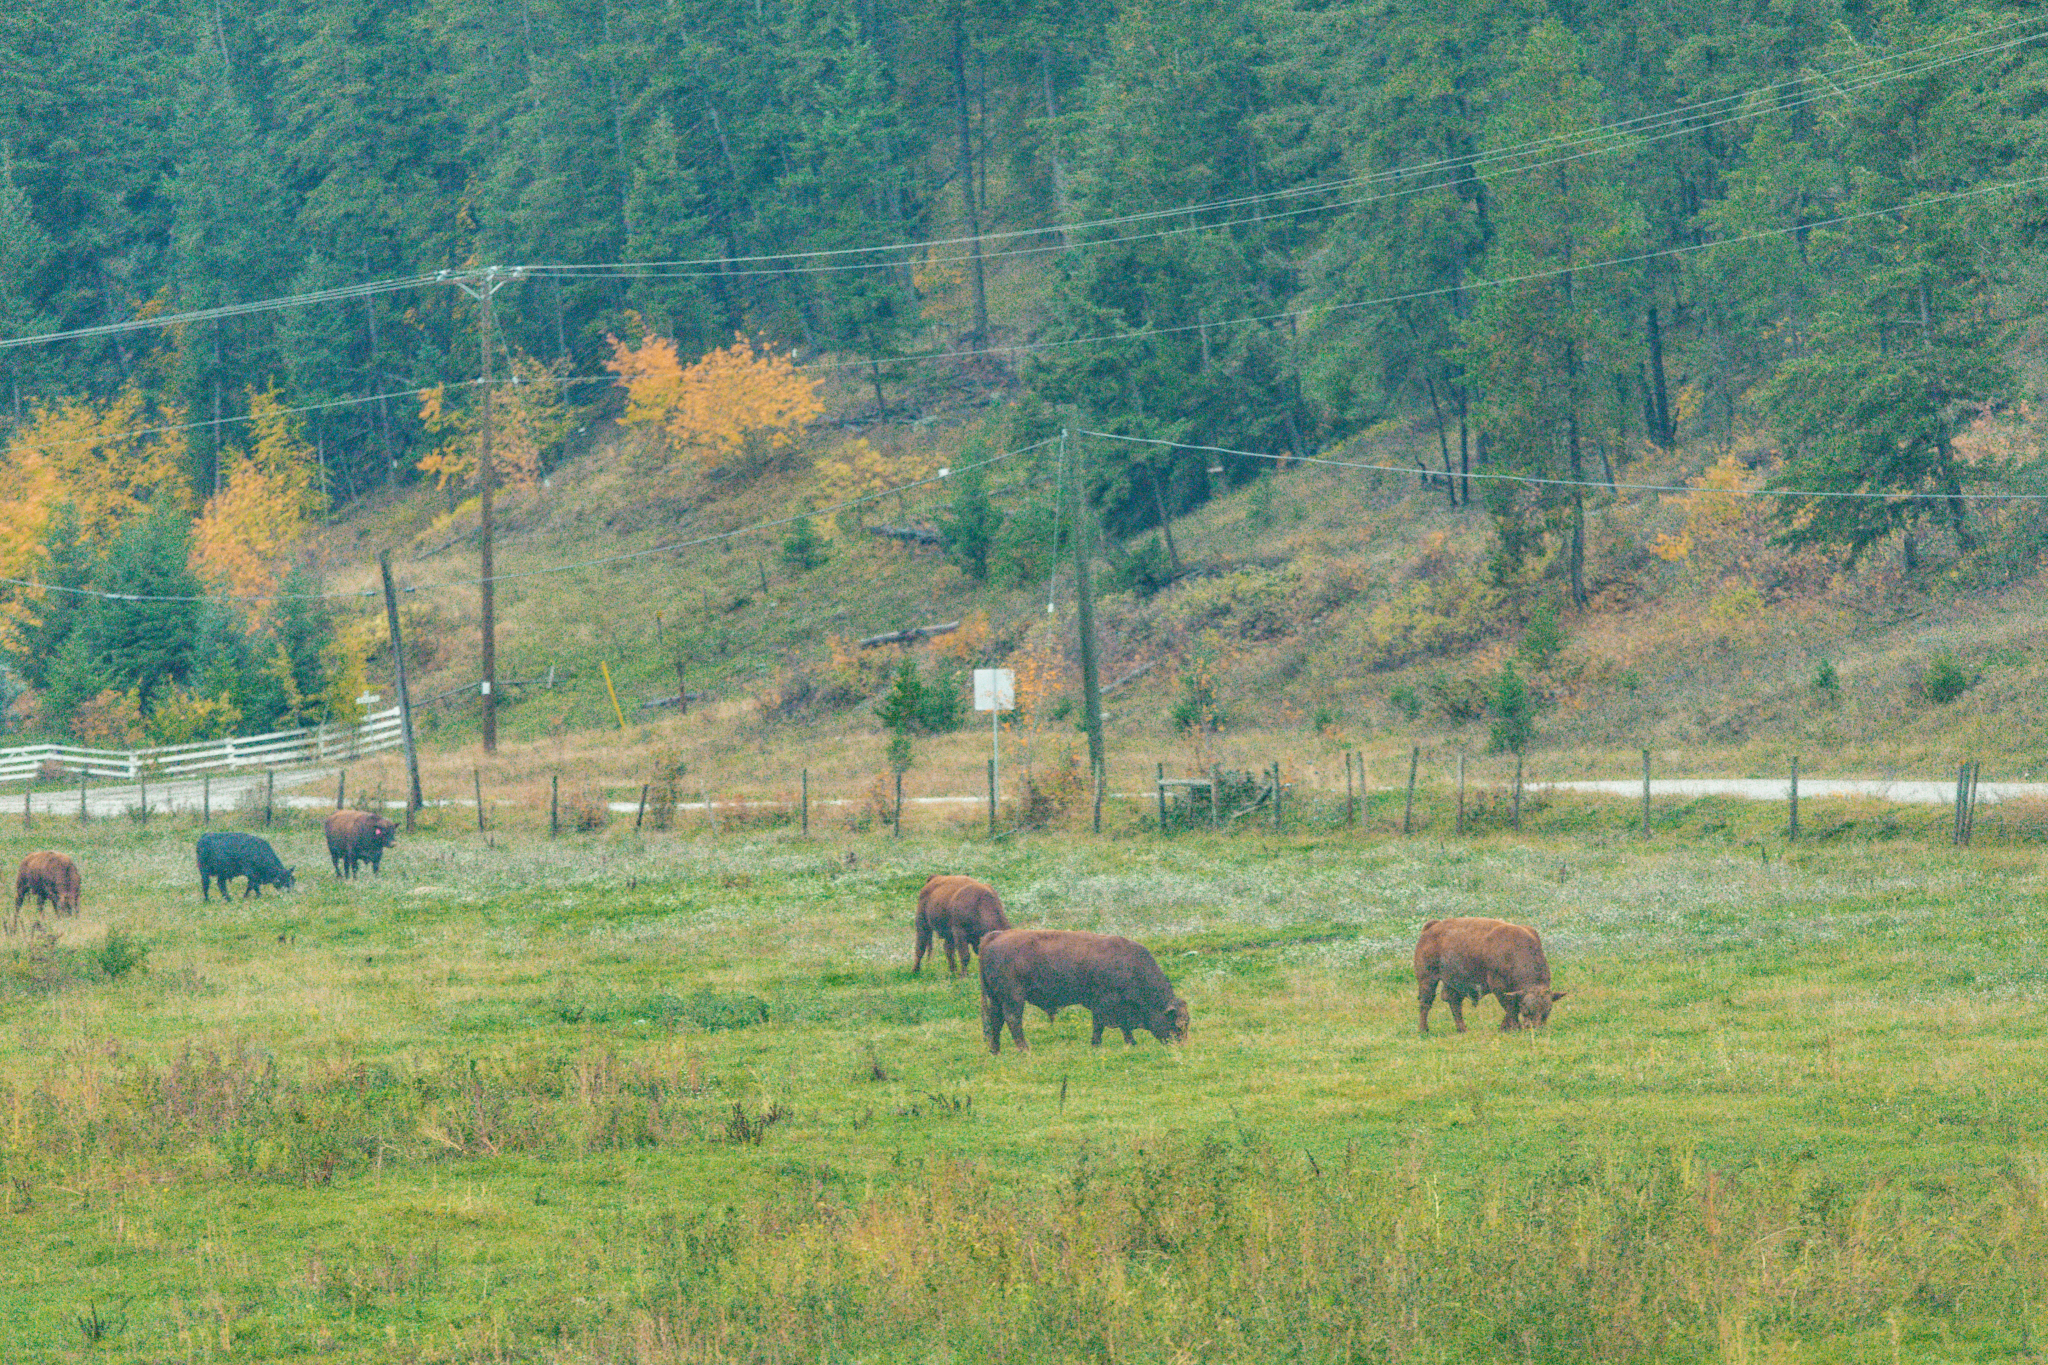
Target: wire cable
(1617, 486)
(668, 548)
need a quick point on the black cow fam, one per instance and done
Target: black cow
(222, 856)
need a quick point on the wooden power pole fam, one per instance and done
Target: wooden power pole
(1084, 602)
(481, 287)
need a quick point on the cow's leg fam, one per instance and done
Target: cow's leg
(1015, 1019)
(992, 1023)
(954, 964)
(1510, 1010)
(1456, 996)
(924, 944)
(1096, 1038)
(1129, 1041)
(1425, 996)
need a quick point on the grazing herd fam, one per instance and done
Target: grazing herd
(1117, 981)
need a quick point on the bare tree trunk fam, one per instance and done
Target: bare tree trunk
(1443, 439)
(1660, 402)
(966, 177)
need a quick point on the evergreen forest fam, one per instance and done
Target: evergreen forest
(1556, 234)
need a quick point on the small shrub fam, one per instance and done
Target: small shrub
(1325, 719)
(585, 812)
(1827, 685)
(1944, 679)
(1514, 713)
(804, 549)
(1051, 792)
(1406, 702)
(120, 954)
(1458, 698)
(1544, 640)
(1144, 570)
(914, 706)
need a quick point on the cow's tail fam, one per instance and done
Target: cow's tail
(924, 940)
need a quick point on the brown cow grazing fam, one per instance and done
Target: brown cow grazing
(1114, 979)
(1473, 957)
(50, 878)
(355, 836)
(959, 910)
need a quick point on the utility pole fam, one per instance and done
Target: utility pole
(1084, 601)
(413, 800)
(481, 287)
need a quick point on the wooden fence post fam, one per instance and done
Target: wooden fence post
(1792, 825)
(1408, 811)
(1518, 793)
(1097, 766)
(142, 794)
(1969, 807)
(640, 814)
(899, 807)
(1956, 813)
(710, 811)
(82, 816)
(1216, 796)
(554, 805)
(1646, 793)
(27, 796)
(341, 790)
(1276, 796)
(1160, 788)
(1461, 793)
(807, 802)
(476, 782)
(269, 791)
(206, 799)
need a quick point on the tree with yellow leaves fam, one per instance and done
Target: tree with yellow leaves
(737, 408)
(528, 419)
(90, 456)
(268, 500)
(1724, 525)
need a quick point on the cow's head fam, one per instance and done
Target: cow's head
(287, 881)
(1170, 1025)
(383, 831)
(1536, 1002)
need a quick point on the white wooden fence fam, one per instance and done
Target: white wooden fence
(312, 744)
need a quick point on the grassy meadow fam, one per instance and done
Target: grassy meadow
(677, 1097)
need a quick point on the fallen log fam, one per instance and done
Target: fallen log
(915, 535)
(909, 636)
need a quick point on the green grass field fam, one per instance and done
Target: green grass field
(613, 1099)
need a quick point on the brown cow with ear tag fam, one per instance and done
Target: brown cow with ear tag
(1473, 957)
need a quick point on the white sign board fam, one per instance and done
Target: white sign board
(995, 689)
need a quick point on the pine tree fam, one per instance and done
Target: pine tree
(141, 640)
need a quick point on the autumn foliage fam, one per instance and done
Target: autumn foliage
(528, 418)
(101, 458)
(268, 498)
(737, 408)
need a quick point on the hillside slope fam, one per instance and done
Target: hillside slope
(1322, 607)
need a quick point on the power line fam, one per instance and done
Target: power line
(1624, 131)
(621, 557)
(1764, 234)
(1829, 85)
(1531, 479)
(1611, 138)
(1108, 338)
